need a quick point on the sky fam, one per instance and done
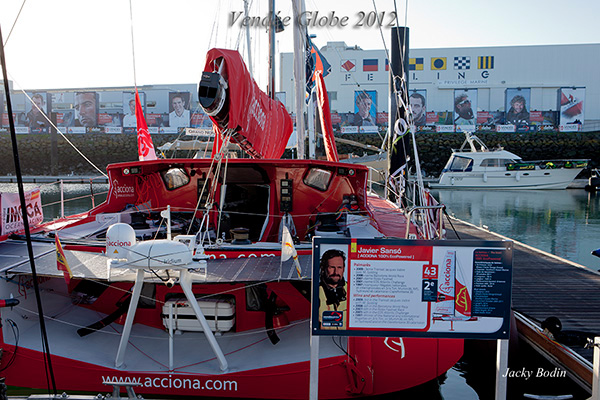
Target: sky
(61, 44)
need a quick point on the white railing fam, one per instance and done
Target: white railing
(63, 200)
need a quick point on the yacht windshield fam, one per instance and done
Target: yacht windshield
(461, 164)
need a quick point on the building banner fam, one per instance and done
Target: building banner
(10, 204)
(517, 106)
(571, 107)
(425, 288)
(465, 107)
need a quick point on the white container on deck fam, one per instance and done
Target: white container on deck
(219, 313)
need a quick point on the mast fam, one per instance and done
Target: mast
(299, 71)
(398, 116)
(272, 23)
(248, 39)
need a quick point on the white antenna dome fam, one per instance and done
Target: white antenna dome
(119, 238)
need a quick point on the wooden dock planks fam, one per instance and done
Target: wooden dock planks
(545, 285)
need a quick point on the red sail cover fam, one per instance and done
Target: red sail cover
(325, 114)
(262, 125)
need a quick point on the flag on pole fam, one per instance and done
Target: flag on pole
(315, 61)
(61, 260)
(145, 146)
(288, 250)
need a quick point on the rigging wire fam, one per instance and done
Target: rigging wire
(132, 44)
(45, 344)
(15, 23)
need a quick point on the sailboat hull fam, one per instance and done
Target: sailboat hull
(257, 368)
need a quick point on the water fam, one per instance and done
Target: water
(77, 197)
(565, 223)
(562, 222)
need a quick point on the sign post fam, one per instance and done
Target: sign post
(412, 288)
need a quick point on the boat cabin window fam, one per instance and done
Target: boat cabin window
(174, 178)
(246, 201)
(318, 178)
(495, 162)
(461, 164)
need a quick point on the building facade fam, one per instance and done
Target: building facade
(167, 109)
(510, 89)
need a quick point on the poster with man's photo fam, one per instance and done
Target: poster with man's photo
(518, 106)
(571, 105)
(365, 111)
(179, 109)
(129, 120)
(418, 106)
(87, 106)
(36, 111)
(395, 287)
(465, 107)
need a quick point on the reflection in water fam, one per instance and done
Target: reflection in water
(562, 222)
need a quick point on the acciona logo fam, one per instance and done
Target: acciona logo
(118, 243)
(123, 190)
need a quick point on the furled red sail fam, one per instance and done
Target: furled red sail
(325, 117)
(232, 99)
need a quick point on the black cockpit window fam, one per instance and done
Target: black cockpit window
(175, 178)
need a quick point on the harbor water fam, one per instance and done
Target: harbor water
(562, 222)
(565, 223)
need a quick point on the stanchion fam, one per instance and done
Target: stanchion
(596, 374)
(501, 368)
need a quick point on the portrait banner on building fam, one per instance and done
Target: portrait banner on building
(571, 106)
(36, 112)
(87, 108)
(365, 108)
(418, 106)
(465, 107)
(517, 105)
(179, 109)
(129, 120)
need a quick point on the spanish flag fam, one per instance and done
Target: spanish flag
(61, 260)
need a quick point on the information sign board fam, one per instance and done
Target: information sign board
(411, 288)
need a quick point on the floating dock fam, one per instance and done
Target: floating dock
(545, 285)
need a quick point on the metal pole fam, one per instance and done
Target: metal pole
(311, 130)
(314, 367)
(92, 192)
(299, 72)
(45, 344)
(248, 39)
(596, 372)
(501, 367)
(272, 49)
(62, 199)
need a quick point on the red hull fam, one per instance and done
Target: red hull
(388, 373)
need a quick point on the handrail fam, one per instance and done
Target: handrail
(371, 181)
(440, 209)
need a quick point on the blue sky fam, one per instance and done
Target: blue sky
(87, 43)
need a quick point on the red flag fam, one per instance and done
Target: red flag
(325, 114)
(61, 260)
(145, 146)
